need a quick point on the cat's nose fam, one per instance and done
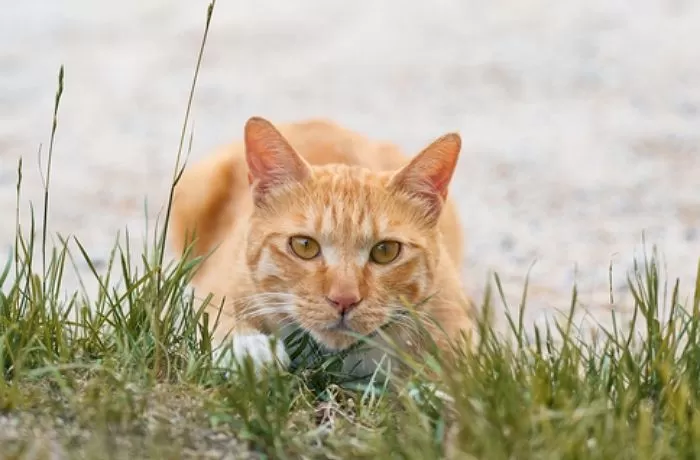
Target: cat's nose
(344, 302)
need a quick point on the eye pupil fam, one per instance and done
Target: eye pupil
(385, 252)
(304, 247)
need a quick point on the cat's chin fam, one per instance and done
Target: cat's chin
(335, 340)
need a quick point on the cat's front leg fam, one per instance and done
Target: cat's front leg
(263, 350)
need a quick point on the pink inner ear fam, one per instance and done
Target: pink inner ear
(271, 160)
(430, 172)
(437, 176)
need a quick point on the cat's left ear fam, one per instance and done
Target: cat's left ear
(272, 162)
(428, 175)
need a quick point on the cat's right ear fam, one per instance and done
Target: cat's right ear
(272, 162)
(428, 175)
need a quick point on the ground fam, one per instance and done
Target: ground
(579, 118)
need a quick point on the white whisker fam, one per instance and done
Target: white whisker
(264, 311)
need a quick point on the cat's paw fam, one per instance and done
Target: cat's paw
(258, 347)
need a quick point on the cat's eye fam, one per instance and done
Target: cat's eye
(385, 252)
(304, 247)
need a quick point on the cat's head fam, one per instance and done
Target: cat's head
(341, 248)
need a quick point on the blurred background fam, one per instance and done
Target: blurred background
(580, 118)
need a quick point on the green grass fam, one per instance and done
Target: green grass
(127, 373)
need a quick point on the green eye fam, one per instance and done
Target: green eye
(385, 252)
(304, 247)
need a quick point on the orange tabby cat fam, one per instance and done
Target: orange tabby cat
(316, 227)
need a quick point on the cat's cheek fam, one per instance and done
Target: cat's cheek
(256, 346)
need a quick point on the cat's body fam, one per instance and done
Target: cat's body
(320, 231)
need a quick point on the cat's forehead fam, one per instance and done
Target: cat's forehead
(348, 178)
(348, 201)
(346, 204)
(348, 210)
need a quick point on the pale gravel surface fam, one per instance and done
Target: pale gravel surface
(580, 118)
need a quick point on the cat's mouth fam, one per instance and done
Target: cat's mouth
(340, 325)
(339, 334)
(339, 331)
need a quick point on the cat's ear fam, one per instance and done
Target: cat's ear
(428, 175)
(272, 162)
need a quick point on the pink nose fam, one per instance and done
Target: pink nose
(344, 303)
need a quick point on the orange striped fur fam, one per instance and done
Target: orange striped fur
(318, 180)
